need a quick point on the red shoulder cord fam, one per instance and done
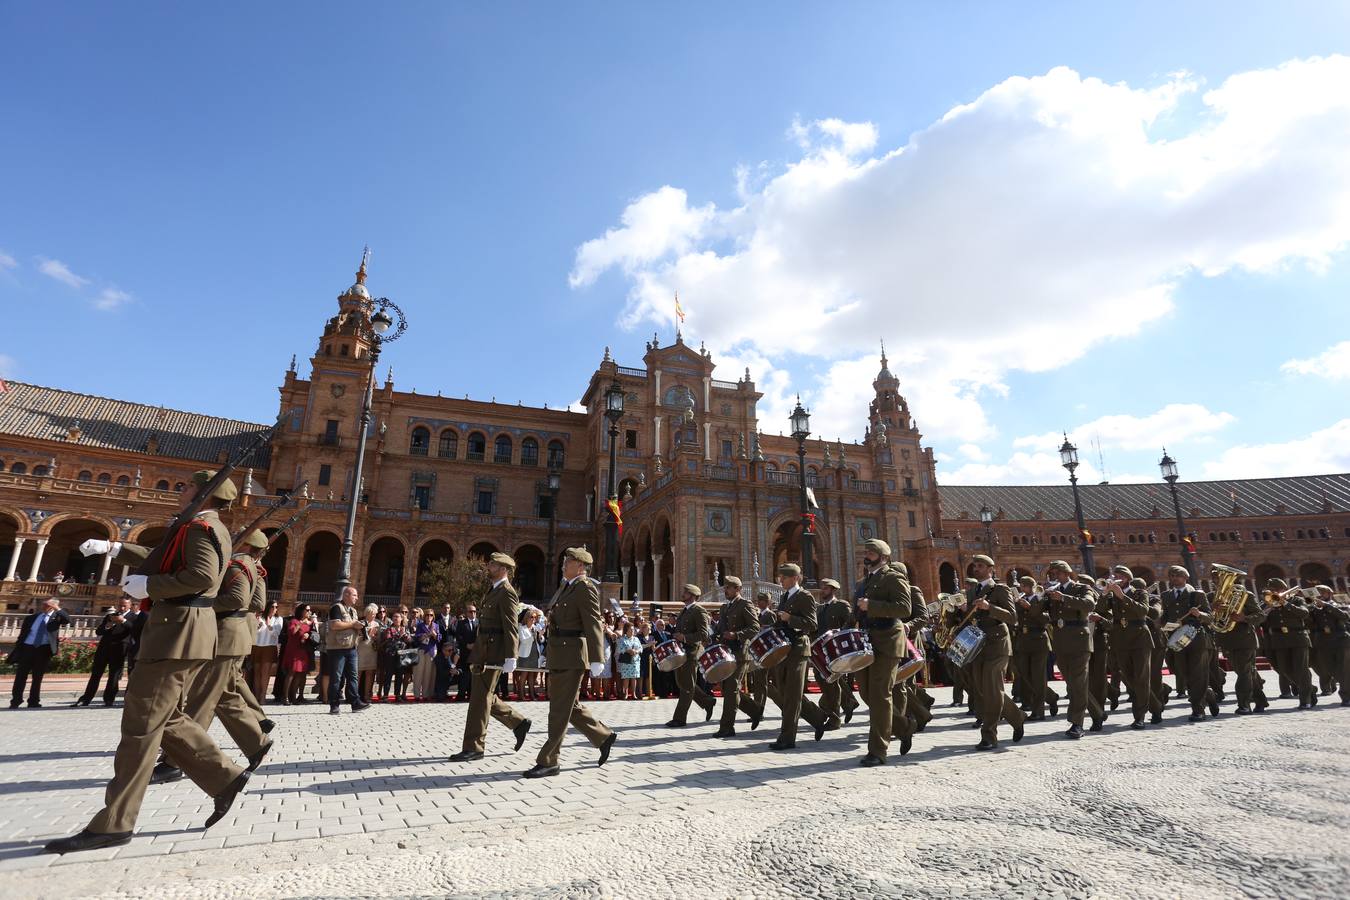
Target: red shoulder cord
(173, 557)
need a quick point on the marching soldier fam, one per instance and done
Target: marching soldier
(1101, 658)
(881, 609)
(1031, 650)
(178, 641)
(1161, 689)
(834, 612)
(694, 629)
(739, 623)
(796, 615)
(575, 638)
(917, 700)
(1323, 625)
(995, 614)
(1128, 608)
(1184, 604)
(1240, 646)
(1339, 616)
(758, 679)
(1287, 635)
(1070, 604)
(493, 655)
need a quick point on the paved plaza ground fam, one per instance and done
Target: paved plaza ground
(368, 806)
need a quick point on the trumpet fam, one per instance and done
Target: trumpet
(1277, 599)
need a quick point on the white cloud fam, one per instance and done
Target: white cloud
(54, 268)
(1173, 424)
(1324, 451)
(1332, 363)
(1046, 206)
(7, 261)
(1042, 467)
(8, 366)
(111, 298)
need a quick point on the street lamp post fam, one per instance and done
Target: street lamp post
(1068, 457)
(801, 430)
(987, 517)
(377, 331)
(554, 484)
(613, 412)
(1168, 465)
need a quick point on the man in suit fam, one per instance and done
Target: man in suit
(466, 635)
(836, 697)
(493, 654)
(446, 621)
(796, 617)
(994, 615)
(114, 639)
(692, 629)
(33, 652)
(1071, 603)
(738, 623)
(1184, 604)
(575, 643)
(186, 572)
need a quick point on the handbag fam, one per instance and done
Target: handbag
(627, 656)
(408, 658)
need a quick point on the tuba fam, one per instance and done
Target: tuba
(1229, 596)
(943, 631)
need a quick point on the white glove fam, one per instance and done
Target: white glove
(596, 669)
(509, 666)
(95, 547)
(134, 586)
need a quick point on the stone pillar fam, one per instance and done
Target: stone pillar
(641, 564)
(37, 559)
(657, 375)
(707, 442)
(656, 435)
(656, 579)
(624, 597)
(14, 560)
(103, 574)
(126, 571)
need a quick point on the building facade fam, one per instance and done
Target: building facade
(708, 489)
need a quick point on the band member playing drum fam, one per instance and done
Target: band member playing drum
(1031, 650)
(796, 615)
(880, 609)
(1186, 605)
(693, 629)
(917, 700)
(832, 613)
(994, 614)
(1070, 604)
(1132, 642)
(738, 623)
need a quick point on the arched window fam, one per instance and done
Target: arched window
(477, 447)
(104, 478)
(123, 480)
(557, 457)
(448, 446)
(19, 469)
(1265, 535)
(178, 486)
(1300, 531)
(771, 467)
(1131, 539)
(1212, 536)
(86, 475)
(529, 452)
(501, 449)
(420, 442)
(161, 485)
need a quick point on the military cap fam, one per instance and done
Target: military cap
(1178, 570)
(255, 539)
(503, 559)
(1061, 565)
(762, 595)
(1026, 579)
(226, 490)
(580, 554)
(790, 569)
(1326, 589)
(693, 589)
(1275, 584)
(1139, 584)
(972, 582)
(1123, 570)
(732, 580)
(830, 582)
(877, 545)
(981, 558)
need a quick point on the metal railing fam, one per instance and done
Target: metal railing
(720, 473)
(632, 373)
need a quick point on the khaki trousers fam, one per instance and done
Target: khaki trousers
(1074, 668)
(875, 683)
(564, 686)
(787, 689)
(917, 707)
(837, 697)
(1325, 658)
(758, 682)
(484, 702)
(219, 692)
(1029, 669)
(991, 703)
(1136, 667)
(1195, 661)
(687, 683)
(734, 698)
(1244, 665)
(1292, 663)
(152, 716)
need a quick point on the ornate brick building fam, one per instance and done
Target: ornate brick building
(706, 493)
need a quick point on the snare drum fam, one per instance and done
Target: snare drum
(717, 664)
(669, 656)
(911, 664)
(821, 664)
(965, 646)
(843, 650)
(770, 647)
(1181, 637)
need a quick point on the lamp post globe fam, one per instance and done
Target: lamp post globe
(987, 517)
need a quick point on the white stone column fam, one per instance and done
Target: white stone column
(656, 435)
(641, 564)
(126, 571)
(37, 559)
(657, 374)
(707, 394)
(656, 579)
(14, 560)
(107, 563)
(707, 442)
(623, 597)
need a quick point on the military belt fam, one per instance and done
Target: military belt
(565, 632)
(236, 614)
(1032, 629)
(878, 624)
(195, 602)
(1072, 623)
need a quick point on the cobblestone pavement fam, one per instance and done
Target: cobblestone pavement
(368, 806)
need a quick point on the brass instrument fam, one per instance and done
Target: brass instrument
(943, 632)
(1276, 599)
(1229, 596)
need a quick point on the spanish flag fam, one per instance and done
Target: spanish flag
(1189, 544)
(679, 310)
(1087, 536)
(616, 512)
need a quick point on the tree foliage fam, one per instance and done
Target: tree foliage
(458, 582)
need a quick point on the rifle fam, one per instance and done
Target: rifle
(266, 514)
(260, 440)
(286, 526)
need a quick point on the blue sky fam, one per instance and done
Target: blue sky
(168, 167)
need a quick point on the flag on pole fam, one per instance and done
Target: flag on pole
(679, 310)
(616, 512)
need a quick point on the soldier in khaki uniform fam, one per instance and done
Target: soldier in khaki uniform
(881, 608)
(1240, 646)
(758, 679)
(1184, 604)
(1287, 636)
(1339, 617)
(1031, 650)
(834, 612)
(796, 614)
(575, 638)
(917, 701)
(995, 615)
(739, 623)
(694, 628)
(1127, 606)
(1323, 626)
(178, 641)
(1070, 605)
(493, 654)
